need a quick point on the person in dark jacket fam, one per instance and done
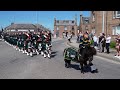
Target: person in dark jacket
(102, 42)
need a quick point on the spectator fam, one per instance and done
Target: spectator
(108, 40)
(69, 38)
(95, 39)
(77, 38)
(102, 42)
(118, 45)
(99, 43)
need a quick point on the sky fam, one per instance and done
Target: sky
(45, 18)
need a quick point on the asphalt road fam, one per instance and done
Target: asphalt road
(15, 65)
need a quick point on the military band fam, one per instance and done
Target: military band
(31, 43)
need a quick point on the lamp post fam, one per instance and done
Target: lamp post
(106, 22)
(37, 19)
(103, 22)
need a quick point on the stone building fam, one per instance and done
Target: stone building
(16, 28)
(85, 24)
(107, 22)
(61, 27)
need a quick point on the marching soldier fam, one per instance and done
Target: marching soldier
(24, 37)
(43, 43)
(39, 42)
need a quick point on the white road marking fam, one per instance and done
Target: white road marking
(105, 59)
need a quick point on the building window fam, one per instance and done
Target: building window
(116, 30)
(67, 21)
(93, 30)
(116, 14)
(13, 30)
(22, 30)
(72, 27)
(65, 28)
(93, 18)
(64, 21)
(72, 21)
(86, 27)
(57, 28)
(86, 21)
(57, 21)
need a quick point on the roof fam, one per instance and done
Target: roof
(26, 26)
(41, 27)
(78, 27)
(65, 22)
(86, 20)
(21, 26)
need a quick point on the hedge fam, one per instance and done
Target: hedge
(112, 44)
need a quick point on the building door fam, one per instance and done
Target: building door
(57, 33)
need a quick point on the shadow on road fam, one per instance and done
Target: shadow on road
(76, 67)
(86, 68)
(53, 54)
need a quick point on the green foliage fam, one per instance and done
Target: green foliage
(112, 44)
(91, 42)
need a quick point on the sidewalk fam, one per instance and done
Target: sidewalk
(104, 55)
(56, 39)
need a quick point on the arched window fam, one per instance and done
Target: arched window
(93, 18)
(72, 27)
(65, 28)
(116, 30)
(57, 27)
(116, 14)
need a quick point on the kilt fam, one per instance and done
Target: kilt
(15, 42)
(25, 45)
(35, 45)
(43, 46)
(19, 44)
(22, 44)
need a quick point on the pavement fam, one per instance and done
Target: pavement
(56, 39)
(109, 56)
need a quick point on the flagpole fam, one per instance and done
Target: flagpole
(37, 19)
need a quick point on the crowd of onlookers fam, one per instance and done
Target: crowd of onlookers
(101, 42)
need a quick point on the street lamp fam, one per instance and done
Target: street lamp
(106, 22)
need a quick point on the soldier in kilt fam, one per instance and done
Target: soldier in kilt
(29, 44)
(15, 39)
(43, 44)
(48, 44)
(24, 38)
(20, 42)
(34, 42)
(39, 42)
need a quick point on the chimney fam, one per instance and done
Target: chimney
(76, 19)
(12, 23)
(80, 19)
(54, 21)
(80, 25)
